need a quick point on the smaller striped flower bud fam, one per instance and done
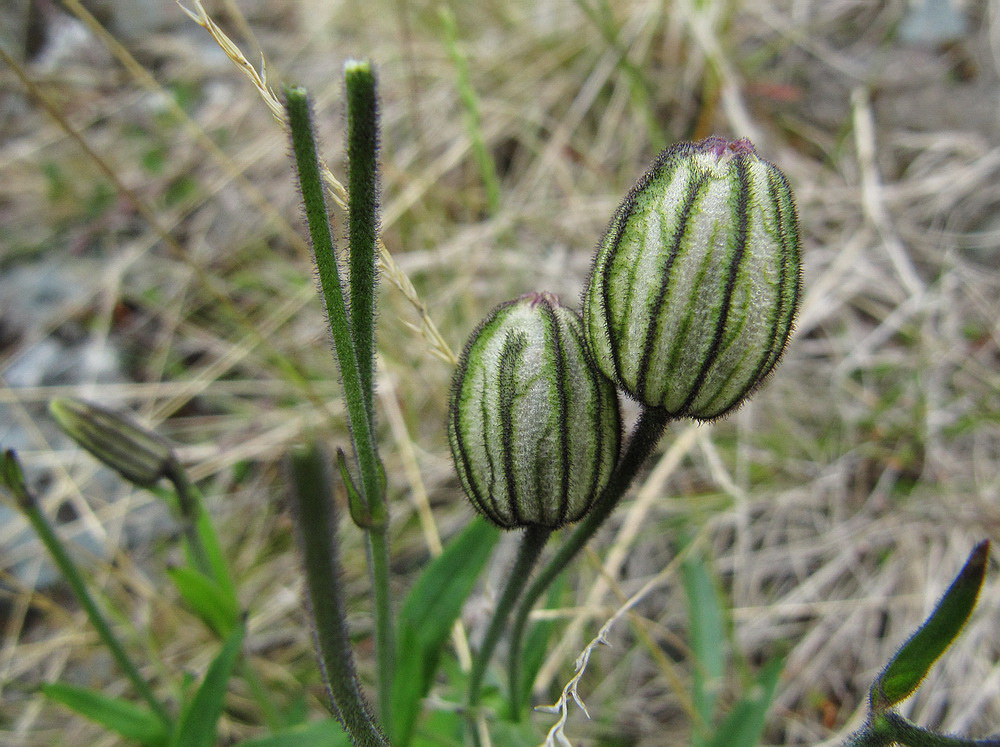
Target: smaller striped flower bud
(138, 454)
(695, 284)
(534, 427)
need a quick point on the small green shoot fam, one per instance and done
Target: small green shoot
(907, 669)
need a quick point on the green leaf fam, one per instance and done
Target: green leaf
(200, 719)
(209, 539)
(707, 640)
(440, 729)
(907, 669)
(536, 642)
(328, 733)
(123, 717)
(744, 724)
(206, 599)
(427, 616)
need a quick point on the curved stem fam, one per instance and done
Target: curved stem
(645, 437)
(532, 542)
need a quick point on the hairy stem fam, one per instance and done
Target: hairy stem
(362, 214)
(645, 437)
(317, 529)
(357, 389)
(532, 542)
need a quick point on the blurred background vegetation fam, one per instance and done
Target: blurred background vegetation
(151, 257)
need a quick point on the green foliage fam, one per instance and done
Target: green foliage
(427, 616)
(707, 641)
(121, 716)
(907, 669)
(328, 733)
(910, 665)
(206, 599)
(199, 719)
(536, 645)
(744, 723)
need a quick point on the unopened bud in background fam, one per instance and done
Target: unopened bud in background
(141, 456)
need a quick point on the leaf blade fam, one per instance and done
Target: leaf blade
(207, 599)
(744, 724)
(427, 616)
(908, 667)
(115, 714)
(200, 719)
(707, 640)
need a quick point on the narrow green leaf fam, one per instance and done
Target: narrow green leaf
(427, 615)
(470, 100)
(310, 490)
(298, 109)
(115, 714)
(744, 724)
(707, 640)
(907, 669)
(328, 733)
(200, 719)
(536, 644)
(206, 599)
(209, 541)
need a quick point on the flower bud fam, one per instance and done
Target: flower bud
(695, 284)
(138, 454)
(534, 427)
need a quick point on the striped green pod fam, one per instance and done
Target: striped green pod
(695, 285)
(534, 427)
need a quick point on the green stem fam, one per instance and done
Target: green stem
(307, 163)
(532, 542)
(191, 512)
(378, 549)
(645, 437)
(890, 728)
(358, 405)
(304, 146)
(899, 729)
(28, 503)
(362, 215)
(317, 527)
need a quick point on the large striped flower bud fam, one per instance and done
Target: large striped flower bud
(534, 427)
(695, 284)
